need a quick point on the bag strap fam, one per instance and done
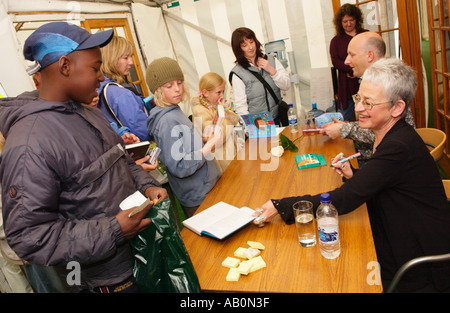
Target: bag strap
(230, 77)
(259, 77)
(105, 101)
(266, 85)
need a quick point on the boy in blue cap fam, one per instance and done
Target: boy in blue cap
(64, 170)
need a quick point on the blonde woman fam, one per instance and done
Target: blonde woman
(125, 101)
(204, 110)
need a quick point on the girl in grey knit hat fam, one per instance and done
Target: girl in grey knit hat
(191, 169)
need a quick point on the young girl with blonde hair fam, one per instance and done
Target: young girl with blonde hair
(204, 110)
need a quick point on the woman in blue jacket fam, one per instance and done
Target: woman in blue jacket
(125, 101)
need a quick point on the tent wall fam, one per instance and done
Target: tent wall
(197, 33)
(152, 32)
(306, 25)
(13, 76)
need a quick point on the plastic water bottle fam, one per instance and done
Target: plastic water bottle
(332, 108)
(316, 111)
(292, 117)
(328, 225)
(312, 114)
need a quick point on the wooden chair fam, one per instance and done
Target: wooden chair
(446, 183)
(435, 140)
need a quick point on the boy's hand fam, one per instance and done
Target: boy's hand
(131, 226)
(156, 194)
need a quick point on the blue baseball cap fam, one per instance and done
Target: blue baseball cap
(51, 41)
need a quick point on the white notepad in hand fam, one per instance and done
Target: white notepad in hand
(137, 200)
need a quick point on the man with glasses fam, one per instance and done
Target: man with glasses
(363, 50)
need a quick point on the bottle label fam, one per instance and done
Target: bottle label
(293, 121)
(328, 234)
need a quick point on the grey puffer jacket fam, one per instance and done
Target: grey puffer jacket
(64, 172)
(191, 175)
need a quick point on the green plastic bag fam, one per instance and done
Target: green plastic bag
(161, 261)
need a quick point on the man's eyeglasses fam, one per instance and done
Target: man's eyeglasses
(367, 105)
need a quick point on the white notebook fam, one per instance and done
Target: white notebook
(137, 200)
(219, 220)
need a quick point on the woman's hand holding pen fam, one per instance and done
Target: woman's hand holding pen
(344, 169)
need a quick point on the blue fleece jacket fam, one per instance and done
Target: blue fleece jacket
(190, 175)
(128, 108)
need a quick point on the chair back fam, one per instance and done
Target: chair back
(435, 141)
(446, 183)
(412, 263)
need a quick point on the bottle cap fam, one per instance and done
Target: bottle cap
(290, 105)
(325, 198)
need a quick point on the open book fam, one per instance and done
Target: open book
(220, 220)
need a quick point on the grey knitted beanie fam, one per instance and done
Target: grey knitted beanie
(161, 71)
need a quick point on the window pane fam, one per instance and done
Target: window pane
(392, 43)
(121, 32)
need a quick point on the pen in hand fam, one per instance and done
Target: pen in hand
(347, 158)
(157, 200)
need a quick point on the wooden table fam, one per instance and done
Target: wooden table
(290, 267)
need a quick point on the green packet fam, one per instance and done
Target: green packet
(309, 160)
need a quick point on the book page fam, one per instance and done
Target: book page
(133, 200)
(199, 221)
(209, 217)
(137, 200)
(140, 208)
(137, 144)
(231, 223)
